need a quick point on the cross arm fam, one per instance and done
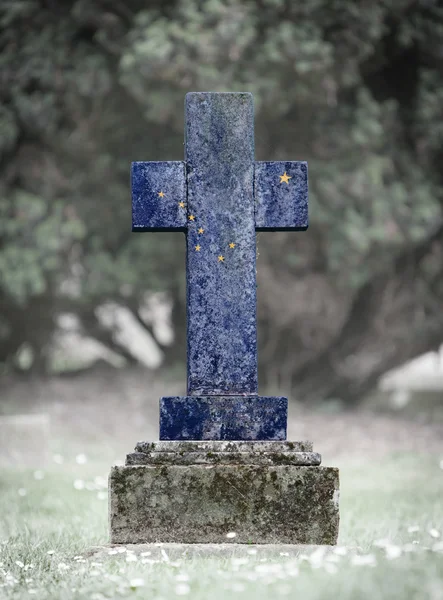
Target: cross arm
(158, 196)
(281, 195)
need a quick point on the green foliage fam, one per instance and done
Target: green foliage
(85, 90)
(36, 235)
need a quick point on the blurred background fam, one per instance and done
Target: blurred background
(93, 317)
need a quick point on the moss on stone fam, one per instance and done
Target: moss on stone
(262, 504)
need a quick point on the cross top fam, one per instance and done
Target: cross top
(219, 197)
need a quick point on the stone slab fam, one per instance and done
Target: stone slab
(237, 458)
(223, 418)
(204, 503)
(224, 446)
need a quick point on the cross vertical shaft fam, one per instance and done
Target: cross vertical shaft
(221, 288)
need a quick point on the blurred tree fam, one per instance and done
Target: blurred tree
(354, 88)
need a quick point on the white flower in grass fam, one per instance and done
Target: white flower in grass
(182, 589)
(252, 551)
(22, 492)
(79, 484)
(131, 557)
(63, 566)
(316, 558)
(39, 475)
(145, 553)
(81, 459)
(434, 533)
(231, 535)
(100, 481)
(20, 564)
(393, 552)
(121, 550)
(32, 591)
(284, 553)
(413, 528)
(29, 580)
(79, 557)
(113, 551)
(364, 560)
(164, 555)
(50, 552)
(136, 583)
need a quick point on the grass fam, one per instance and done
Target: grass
(391, 508)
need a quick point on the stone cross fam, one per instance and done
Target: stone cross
(219, 197)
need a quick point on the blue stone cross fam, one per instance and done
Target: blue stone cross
(219, 197)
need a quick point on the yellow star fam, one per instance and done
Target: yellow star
(201, 230)
(161, 194)
(232, 245)
(181, 204)
(221, 258)
(191, 218)
(284, 178)
(198, 247)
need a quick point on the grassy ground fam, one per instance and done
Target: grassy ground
(392, 510)
(391, 507)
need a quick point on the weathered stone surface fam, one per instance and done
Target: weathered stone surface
(281, 206)
(221, 299)
(221, 446)
(202, 504)
(223, 418)
(237, 458)
(154, 212)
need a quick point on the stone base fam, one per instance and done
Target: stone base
(223, 417)
(263, 492)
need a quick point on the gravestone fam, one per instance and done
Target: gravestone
(223, 469)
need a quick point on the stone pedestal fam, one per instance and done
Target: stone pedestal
(266, 492)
